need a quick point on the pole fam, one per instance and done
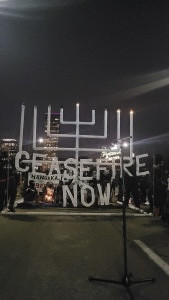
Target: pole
(118, 124)
(131, 133)
(77, 137)
(153, 177)
(34, 127)
(21, 127)
(124, 220)
(7, 183)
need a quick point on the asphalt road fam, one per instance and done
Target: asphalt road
(51, 257)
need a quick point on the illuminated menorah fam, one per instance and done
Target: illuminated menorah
(77, 134)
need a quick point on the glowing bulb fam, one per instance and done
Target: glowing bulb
(125, 144)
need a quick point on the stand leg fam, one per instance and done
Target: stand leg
(126, 281)
(104, 280)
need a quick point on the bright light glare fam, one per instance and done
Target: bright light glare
(40, 140)
(125, 145)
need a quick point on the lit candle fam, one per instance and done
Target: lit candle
(118, 125)
(131, 133)
(48, 120)
(77, 112)
(34, 127)
(21, 127)
(77, 136)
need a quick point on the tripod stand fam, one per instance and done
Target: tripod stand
(126, 278)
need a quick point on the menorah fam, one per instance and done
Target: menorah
(126, 279)
(77, 136)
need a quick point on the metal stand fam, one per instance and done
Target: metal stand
(126, 278)
(7, 186)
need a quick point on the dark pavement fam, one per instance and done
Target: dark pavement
(51, 257)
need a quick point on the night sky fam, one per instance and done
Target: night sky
(102, 54)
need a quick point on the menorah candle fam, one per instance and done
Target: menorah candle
(48, 120)
(118, 124)
(34, 127)
(21, 127)
(77, 134)
(131, 133)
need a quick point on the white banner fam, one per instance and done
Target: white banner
(42, 179)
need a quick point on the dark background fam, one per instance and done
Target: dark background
(102, 54)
